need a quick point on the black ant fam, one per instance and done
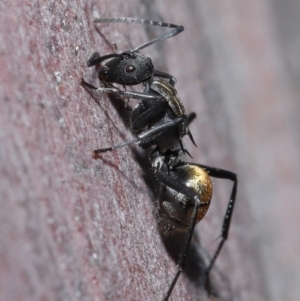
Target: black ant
(185, 188)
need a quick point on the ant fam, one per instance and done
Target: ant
(185, 189)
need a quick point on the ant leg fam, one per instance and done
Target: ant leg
(141, 116)
(222, 174)
(147, 137)
(157, 107)
(130, 94)
(177, 28)
(106, 149)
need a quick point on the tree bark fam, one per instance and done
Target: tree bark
(76, 228)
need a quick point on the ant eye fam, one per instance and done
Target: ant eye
(130, 69)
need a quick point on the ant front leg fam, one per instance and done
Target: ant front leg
(112, 89)
(222, 174)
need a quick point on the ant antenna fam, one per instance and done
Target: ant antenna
(177, 28)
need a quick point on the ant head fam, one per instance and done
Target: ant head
(128, 68)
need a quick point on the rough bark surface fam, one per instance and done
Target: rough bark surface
(75, 228)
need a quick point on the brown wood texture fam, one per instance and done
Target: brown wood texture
(75, 228)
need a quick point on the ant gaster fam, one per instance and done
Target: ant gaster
(184, 198)
(185, 188)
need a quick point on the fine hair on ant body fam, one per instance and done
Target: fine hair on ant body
(185, 189)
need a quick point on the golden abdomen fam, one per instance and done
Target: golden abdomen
(176, 205)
